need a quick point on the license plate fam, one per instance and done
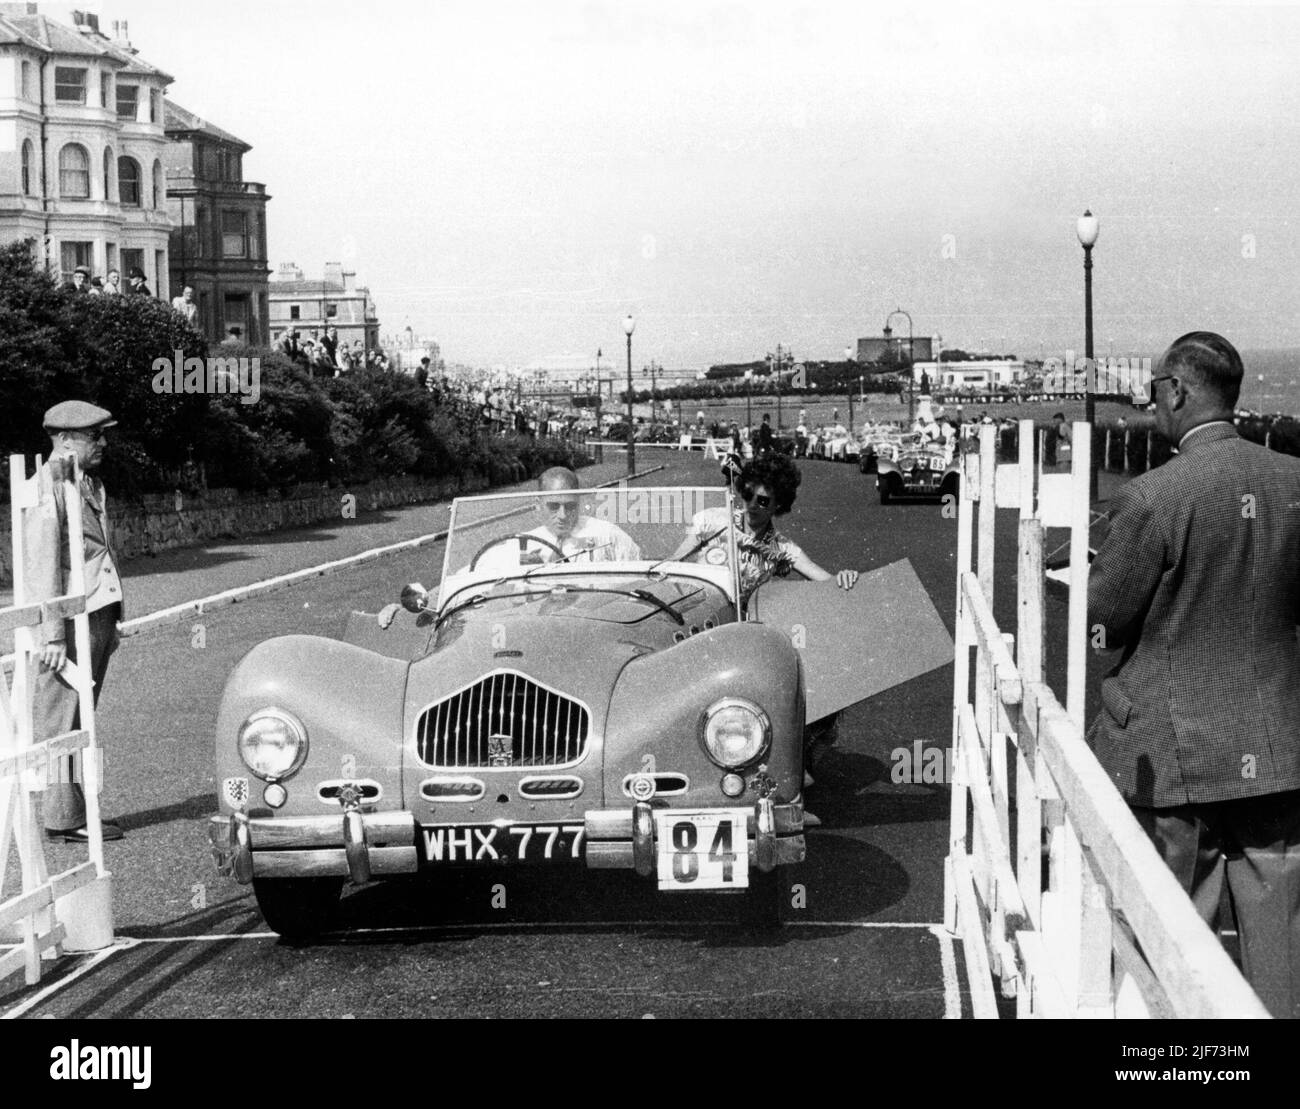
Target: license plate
(492, 844)
(702, 849)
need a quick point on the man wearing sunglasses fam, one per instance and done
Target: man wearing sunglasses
(582, 538)
(77, 430)
(1198, 580)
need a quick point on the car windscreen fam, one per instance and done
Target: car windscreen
(512, 533)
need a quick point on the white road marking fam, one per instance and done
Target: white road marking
(174, 614)
(487, 926)
(951, 986)
(122, 943)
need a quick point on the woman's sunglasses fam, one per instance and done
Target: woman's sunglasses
(763, 501)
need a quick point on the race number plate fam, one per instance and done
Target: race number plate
(498, 845)
(702, 849)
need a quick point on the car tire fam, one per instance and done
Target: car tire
(298, 908)
(764, 899)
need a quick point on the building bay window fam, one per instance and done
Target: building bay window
(128, 182)
(74, 172)
(128, 101)
(234, 234)
(69, 84)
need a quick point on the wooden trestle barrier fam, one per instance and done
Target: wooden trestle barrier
(1059, 898)
(72, 908)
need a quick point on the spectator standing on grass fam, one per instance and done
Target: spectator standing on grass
(113, 284)
(1197, 581)
(96, 287)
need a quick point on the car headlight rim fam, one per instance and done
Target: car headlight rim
(292, 729)
(755, 749)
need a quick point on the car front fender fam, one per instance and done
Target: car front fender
(659, 702)
(350, 701)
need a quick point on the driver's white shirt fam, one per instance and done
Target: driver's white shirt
(591, 540)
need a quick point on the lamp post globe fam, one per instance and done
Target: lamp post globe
(1087, 228)
(629, 325)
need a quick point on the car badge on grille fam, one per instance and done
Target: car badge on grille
(499, 750)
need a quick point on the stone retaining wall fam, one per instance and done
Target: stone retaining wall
(162, 523)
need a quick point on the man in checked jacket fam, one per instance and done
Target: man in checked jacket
(76, 428)
(1198, 581)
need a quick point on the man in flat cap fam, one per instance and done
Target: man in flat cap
(77, 430)
(1198, 581)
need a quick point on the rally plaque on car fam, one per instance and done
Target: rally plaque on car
(702, 849)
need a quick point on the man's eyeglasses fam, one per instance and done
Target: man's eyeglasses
(760, 499)
(555, 506)
(1161, 377)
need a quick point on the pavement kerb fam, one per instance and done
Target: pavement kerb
(176, 613)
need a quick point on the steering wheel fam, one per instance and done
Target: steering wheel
(524, 539)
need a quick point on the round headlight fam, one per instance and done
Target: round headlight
(273, 744)
(735, 732)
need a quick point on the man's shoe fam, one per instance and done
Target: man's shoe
(82, 834)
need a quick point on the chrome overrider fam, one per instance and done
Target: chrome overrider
(364, 845)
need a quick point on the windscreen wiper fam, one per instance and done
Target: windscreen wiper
(689, 554)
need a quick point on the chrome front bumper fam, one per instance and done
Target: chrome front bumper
(624, 838)
(361, 846)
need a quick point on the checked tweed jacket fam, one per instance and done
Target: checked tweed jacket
(1199, 581)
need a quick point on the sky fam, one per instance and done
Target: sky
(514, 178)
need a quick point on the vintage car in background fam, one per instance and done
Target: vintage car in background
(601, 708)
(877, 441)
(923, 470)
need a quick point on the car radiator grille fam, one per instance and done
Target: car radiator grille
(504, 720)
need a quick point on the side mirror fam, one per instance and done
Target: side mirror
(415, 598)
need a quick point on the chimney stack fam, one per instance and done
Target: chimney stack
(349, 281)
(334, 273)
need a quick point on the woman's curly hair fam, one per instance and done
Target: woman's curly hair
(779, 473)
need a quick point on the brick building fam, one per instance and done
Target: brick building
(218, 239)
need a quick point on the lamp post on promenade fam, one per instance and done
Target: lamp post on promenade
(749, 419)
(911, 381)
(629, 325)
(1087, 228)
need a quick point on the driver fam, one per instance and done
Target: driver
(581, 538)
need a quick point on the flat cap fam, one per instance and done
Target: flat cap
(77, 415)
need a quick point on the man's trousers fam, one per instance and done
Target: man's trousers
(56, 710)
(1253, 843)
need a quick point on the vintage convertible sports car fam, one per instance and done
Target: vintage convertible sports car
(580, 693)
(923, 470)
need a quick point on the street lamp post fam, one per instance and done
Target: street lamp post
(911, 381)
(1087, 228)
(749, 419)
(629, 325)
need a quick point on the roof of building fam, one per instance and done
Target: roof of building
(47, 34)
(182, 121)
(313, 288)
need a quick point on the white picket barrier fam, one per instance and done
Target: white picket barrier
(72, 908)
(1056, 893)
